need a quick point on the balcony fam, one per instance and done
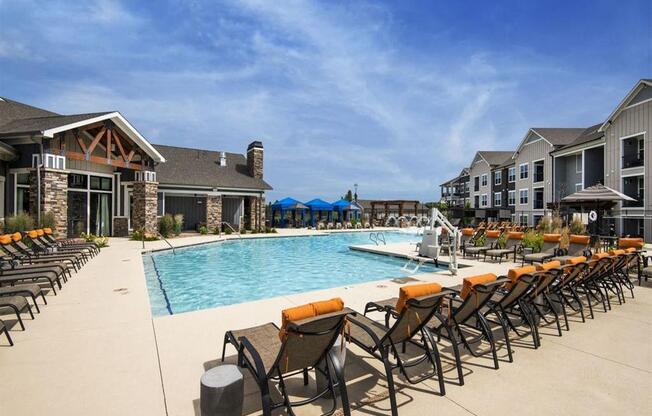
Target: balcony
(633, 152)
(633, 160)
(634, 186)
(634, 204)
(538, 172)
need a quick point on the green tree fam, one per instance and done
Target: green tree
(348, 196)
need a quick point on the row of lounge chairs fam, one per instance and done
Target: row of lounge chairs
(421, 317)
(24, 266)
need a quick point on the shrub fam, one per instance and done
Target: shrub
(545, 225)
(101, 242)
(48, 220)
(577, 227)
(203, 230)
(178, 223)
(227, 231)
(354, 222)
(166, 225)
(565, 237)
(533, 240)
(216, 230)
(502, 240)
(480, 241)
(139, 235)
(556, 224)
(270, 230)
(19, 223)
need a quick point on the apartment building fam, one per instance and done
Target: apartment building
(503, 181)
(482, 179)
(455, 192)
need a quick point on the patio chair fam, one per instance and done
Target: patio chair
(31, 290)
(12, 257)
(492, 237)
(45, 235)
(578, 245)
(21, 248)
(466, 240)
(10, 264)
(303, 342)
(549, 250)
(563, 291)
(44, 247)
(412, 311)
(3, 328)
(511, 245)
(18, 304)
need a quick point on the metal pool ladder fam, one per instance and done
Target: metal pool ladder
(377, 237)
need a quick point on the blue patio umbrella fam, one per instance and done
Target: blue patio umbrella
(288, 204)
(318, 205)
(344, 205)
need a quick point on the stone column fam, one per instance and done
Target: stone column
(54, 197)
(261, 212)
(145, 203)
(213, 212)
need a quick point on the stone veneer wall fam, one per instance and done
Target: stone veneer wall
(54, 197)
(213, 212)
(256, 218)
(120, 226)
(145, 206)
(255, 162)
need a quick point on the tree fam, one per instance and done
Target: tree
(348, 196)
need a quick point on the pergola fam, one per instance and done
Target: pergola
(387, 204)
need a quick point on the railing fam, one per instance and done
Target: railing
(232, 229)
(633, 160)
(142, 239)
(378, 237)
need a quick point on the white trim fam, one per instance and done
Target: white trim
(534, 171)
(584, 167)
(629, 175)
(124, 125)
(500, 195)
(638, 103)
(487, 200)
(621, 106)
(581, 187)
(500, 173)
(522, 143)
(484, 180)
(622, 144)
(509, 192)
(528, 196)
(578, 150)
(508, 169)
(528, 171)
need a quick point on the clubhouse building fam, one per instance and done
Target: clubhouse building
(95, 173)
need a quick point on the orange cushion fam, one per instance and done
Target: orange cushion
(32, 234)
(576, 260)
(5, 239)
(616, 252)
(549, 265)
(631, 242)
(306, 311)
(598, 256)
(469, 282)
(630, 250)
(40, 232)
(515, 235)
(493, 234)
(515, 274)
(552, 238)
(580, 239)
(468, 231)
(48, 230)
(415, 291)
(16, 236)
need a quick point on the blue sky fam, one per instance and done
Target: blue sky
(393, 96)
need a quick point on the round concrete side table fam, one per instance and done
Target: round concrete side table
(222, 391)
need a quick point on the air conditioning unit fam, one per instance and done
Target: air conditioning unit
(50, 161)
(145, 176)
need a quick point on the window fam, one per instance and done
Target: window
(578, 187)
(483, 200)
(633, 152)
(536, 219)
(578, 163)
(476, 183)
(498, 178)
(21, 200)
(523, 220)
(476, 201)
(538, 171)
(523, 196)
(511, 198)
(523, 170)
(634, 187)
(538, 198)
(498, 199)
(99, 183)
(77, 181)
(484, 180)
(511, 174)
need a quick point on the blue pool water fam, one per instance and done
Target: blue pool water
(238, 271)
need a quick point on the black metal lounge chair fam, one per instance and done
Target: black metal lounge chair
(85, 249)
(306, 345)
(48, 236)
(549, 250)
(512, 243)
(18, 244)
(578, 245)
(17, 304)
(3, 328)
(40, 246)
(381, 342)
(491, 236)
(13, 277)
(31, 290)
(14, 255)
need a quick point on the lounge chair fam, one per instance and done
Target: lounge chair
(31, 290)
(17, 304)
(13, 276)
(303, 342)
(20, 248)
(413, 309)
(511, 245)
(48, 236)
(466, 240)
(13, 256)
(492, 237)
(49, 248)
(578, 245)
(548, 251)
(3, 328)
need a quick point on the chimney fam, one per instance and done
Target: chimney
(222, 158)
(255, 159)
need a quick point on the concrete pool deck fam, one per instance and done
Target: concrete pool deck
(95, 349)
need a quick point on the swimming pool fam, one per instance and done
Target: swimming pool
(238, 271)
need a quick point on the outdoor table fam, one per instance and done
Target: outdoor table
(222, 391)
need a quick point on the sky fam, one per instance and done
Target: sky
(393, 96)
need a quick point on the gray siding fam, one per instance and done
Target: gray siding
(566, 175)
(478, 168)
(532, 151)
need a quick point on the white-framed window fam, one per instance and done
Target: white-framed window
(511, 198)
(523, 219)
(21, 191)
(476, 183)
(578, 163)
(523, 170)
(150, 176)
(578, 187)
(483, 200)
(483, 180)
(498, 177)
(523, 196)
(498, 199)
(511, 174)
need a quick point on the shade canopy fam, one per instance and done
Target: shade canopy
(288, 204)
(596, 193)
(319, 205)
(344, 205)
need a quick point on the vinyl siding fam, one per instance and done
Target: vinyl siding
(479, 168)
(529, 153)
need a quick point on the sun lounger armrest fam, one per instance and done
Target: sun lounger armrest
(365, 328)
(258, 362)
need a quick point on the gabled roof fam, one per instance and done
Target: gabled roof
(11, 110)
(495, 158)
(558, 136)
(463, 173)
(637, 88)
(185, 166)
(41, 124)
(589, 134)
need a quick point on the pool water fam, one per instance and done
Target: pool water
(238, 271)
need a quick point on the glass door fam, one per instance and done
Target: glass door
(100, 221)
(77, 204)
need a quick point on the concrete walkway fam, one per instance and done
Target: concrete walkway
(95, 349)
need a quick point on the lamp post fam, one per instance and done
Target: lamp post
(355, 192)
